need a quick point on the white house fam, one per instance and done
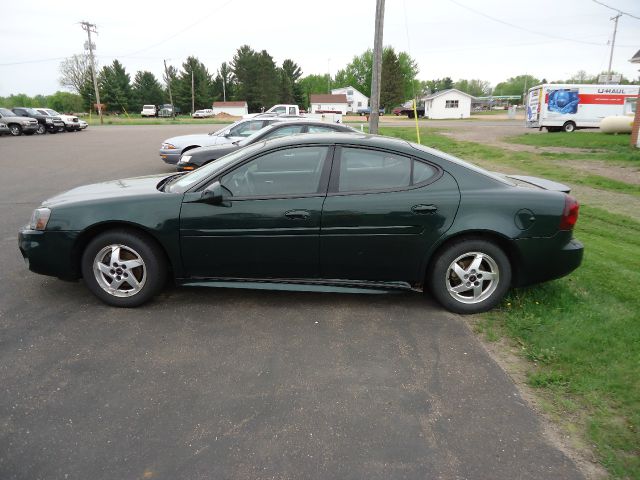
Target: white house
(325, 103)
(236, 109)
(355, 99)
(450, 103)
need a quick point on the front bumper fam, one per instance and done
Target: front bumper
(543, 259)
(32, 127)
(49, 252)
(170, 156)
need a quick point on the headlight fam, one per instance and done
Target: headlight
(168, 146)
(48, 120)
(40, 218)
(185, 159)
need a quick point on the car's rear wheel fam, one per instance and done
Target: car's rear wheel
(470, 276)
(569, 127)
(16, 130)
(123, 268)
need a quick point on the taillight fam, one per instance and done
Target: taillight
(570, 213)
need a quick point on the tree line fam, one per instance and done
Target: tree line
(254, 76)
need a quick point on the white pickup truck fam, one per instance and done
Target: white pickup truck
(278, 110)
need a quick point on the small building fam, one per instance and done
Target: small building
(326, 103)
(355, 99)
(451, 103)
(235, 109)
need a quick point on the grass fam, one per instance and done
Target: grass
(581, 334)
(138, 120)
(583, 337)
(592, 146)
(524, 162)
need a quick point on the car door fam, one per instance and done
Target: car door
(382, 213)
(269, 224)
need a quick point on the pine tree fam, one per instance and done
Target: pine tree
(115, 87)
(146, 90)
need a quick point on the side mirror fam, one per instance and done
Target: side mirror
(213, 194)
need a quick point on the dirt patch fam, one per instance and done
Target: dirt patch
(557, 431)
(630, 174)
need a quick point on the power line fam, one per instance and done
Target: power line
(616, 9)
(179, 32)
(32, 61)
(482, 14)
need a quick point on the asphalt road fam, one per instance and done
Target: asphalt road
(233, 384)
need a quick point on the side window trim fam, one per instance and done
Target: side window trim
(323, 182)
(334, 181)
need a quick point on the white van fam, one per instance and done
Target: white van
(567, 107)
(148, 111)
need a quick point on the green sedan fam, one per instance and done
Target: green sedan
(330, 212)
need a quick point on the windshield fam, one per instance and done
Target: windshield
(7, 113)
(148, 107)
(185, 182)
(32, 111)
(51, 112)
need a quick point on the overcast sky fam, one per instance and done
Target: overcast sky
(548, 38)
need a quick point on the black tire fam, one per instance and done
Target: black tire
(41, 129)
(16, 130)
(134, 246)
(463, 251)
(569, 127)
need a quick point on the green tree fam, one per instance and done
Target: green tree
(146, 90)
(431, 86)
(224, 85)
(313, 84)
(64, 102)
(115, 87)
(257, 79)
(392, 87)
(516, 85)
(202, 86)
(290, 90)
(358, 72)
(475, 87)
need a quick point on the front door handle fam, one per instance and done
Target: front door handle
(424, 208)
(297, 214)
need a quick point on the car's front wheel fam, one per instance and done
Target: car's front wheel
(470, 276)
(123, 268)
(41, 129)
(16, 130)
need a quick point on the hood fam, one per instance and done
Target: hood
(17, 118)
(69, 118)
(127, 187)
(202, 155)
(201, 139)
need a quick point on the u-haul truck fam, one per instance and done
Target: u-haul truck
(567, 107)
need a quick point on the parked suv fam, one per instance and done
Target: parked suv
(71, 122)
(149, 111)
(45, 122)
(17, 124)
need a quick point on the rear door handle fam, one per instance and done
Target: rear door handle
(297, 214)
(424, 208)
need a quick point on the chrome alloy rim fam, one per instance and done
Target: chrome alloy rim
(119, 270)
(472, 277)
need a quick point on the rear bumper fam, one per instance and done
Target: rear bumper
(543, 259)
(49, 253)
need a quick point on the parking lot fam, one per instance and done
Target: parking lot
(215, 383)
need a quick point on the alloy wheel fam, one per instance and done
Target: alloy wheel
(472, 277)
(119, 270)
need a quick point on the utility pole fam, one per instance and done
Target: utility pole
(328, 75)
(193, 101)
(376, 73)
(613, 43)
(166, 74)
(91, 28)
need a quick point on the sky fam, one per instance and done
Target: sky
(486, 39)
